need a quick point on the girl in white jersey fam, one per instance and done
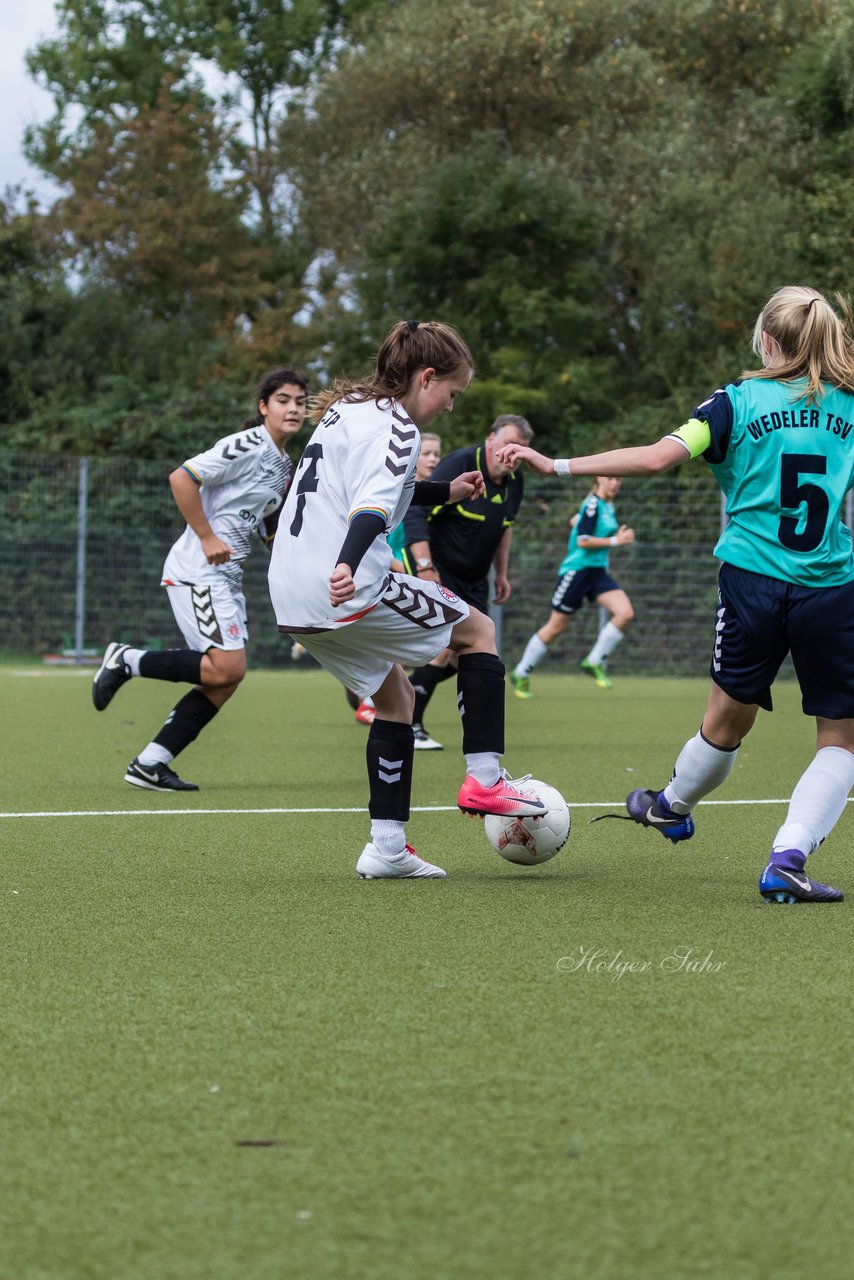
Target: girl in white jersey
(431, 452)
(780, 442)
(228, 495)
(332, 586)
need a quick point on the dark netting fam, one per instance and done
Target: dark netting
(670, 572)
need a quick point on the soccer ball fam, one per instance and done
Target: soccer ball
(530, 841)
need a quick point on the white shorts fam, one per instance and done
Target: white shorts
(209, 615)
(411, 624)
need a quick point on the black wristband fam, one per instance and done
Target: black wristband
(431, 493)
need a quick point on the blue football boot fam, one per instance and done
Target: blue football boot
(783, 884)
(650, 809)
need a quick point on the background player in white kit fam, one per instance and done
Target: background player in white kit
(228, 495)
(332, 586)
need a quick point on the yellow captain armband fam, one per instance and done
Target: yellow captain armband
(694, 434)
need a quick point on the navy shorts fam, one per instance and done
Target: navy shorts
(577, 585)
(761, 619)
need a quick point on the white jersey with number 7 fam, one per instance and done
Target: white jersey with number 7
(361, 457)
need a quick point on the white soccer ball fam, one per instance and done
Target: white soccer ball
(530, 841)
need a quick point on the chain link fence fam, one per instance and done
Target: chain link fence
(83, 543)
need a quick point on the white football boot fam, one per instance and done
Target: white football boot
(423, 741)
(373, 865)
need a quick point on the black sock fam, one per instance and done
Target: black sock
(424, 680)
(389, 754)
(181, 666)
(186, 721)
(480, 696)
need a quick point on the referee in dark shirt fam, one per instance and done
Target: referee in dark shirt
(458, 545)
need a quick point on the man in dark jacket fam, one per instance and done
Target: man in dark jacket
(458, 545)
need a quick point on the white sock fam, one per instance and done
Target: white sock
(131, 658)
(387, 835)
(483, 766)
(699, 769)
(818, 800)
(155, 754)
(535, 650)
(606, 642)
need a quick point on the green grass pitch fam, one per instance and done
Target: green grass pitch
(225, 1058)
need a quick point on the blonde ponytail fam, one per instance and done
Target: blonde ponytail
(816, 342)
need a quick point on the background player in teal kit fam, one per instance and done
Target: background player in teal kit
(781, 445)
(584, 575)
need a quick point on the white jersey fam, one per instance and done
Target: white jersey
(361, 458)
(243, 477)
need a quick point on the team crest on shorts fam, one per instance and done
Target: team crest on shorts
(449, 595)
(233, 631)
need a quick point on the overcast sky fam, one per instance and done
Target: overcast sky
(22, 102)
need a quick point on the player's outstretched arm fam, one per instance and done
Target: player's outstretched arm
(645, 460)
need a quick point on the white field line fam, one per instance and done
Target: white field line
(435, 808)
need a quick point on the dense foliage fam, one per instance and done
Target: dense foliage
(600, 193)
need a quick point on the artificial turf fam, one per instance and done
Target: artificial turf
(224, 1057)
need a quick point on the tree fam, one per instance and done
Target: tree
(170, 199)
(820, 90)
(151, 212)
(271, 51)
(509, 250)
(662, 114)
(34, 305)
(108, 60)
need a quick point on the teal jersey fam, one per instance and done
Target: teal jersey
(596, 519)
(785, 467)
(397, 541)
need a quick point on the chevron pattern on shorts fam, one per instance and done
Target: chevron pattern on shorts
(423, 609)
(205, 616)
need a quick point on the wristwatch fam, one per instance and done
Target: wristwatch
(423, 562)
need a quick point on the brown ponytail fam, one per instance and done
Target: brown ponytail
(408, 347)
